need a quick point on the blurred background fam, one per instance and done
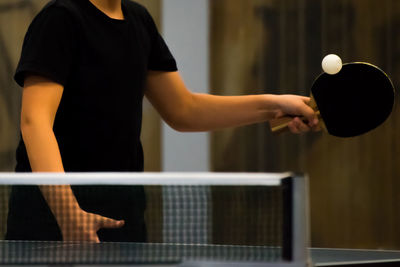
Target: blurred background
(266, 46)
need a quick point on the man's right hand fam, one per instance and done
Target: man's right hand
(75, 223)
(79, 225)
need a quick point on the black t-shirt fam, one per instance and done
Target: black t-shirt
(102, 64)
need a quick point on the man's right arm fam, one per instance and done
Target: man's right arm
(40, 100)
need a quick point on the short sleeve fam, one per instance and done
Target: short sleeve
(161, 58)
(49, 46)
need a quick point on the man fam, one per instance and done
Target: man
(85, 67)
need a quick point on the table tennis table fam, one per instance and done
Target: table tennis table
(18, 253)
(290, 252)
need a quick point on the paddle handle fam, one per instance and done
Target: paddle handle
(280, 125)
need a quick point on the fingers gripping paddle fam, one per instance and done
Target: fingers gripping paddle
(352, 102)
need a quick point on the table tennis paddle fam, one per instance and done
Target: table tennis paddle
(352, 102)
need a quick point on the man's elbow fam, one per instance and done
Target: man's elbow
(26, 124)
(183, 117)
(180, 125)
(30, 123)
(184, 121)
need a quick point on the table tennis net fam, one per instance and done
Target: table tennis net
(182, 222)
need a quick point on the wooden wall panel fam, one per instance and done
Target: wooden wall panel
(276, 47)
(15, 16)
(359, 188)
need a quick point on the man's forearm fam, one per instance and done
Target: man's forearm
(186, 111)
(62, 202)
(42, 147)
(44, 156)
(210, 112)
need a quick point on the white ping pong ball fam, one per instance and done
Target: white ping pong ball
(332, 64)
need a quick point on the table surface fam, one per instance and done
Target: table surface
(54, 253)
(350, 257)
